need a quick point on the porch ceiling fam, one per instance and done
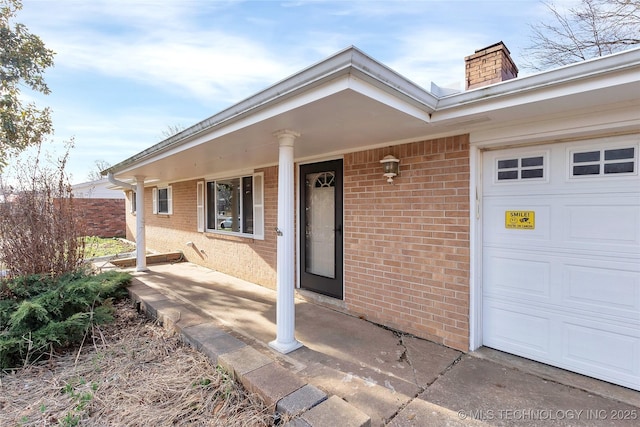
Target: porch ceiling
(341, 121)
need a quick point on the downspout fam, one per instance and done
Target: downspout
(115, 181)
(141, 258)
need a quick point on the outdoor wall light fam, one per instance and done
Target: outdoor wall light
(391, 167)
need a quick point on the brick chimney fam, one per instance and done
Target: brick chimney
(489, 65)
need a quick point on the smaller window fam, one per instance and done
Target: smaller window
(502, 175)
(528, 162)
(619, 154)
(589, 156)
(604, 162)
(523, 168)
(162, 203)
(132, 194)
(163, 200)
(586, 170)
(626, 167)
(531, 173)
(507, 164)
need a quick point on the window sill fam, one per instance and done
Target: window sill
(219, 233)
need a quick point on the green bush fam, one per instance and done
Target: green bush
(39, 313)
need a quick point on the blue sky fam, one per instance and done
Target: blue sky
(127, 70)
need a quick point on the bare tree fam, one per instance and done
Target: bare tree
(95, 174)
(41, 231)
(592, 28)
(172, 130)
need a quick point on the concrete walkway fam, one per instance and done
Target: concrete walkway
(353, 373)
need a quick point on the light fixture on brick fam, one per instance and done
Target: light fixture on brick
(391, 167)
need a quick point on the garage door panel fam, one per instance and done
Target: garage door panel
(605, 350)
(496, 232)
(603, 222)
(507, 323)
(602, 347)
(606, 291)
(518, 277)
(561, 224)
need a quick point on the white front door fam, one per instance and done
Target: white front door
(561, 256)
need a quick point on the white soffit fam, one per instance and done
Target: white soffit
(343, 114)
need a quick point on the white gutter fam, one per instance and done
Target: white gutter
(119, 183)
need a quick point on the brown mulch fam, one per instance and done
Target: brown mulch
(129, 373)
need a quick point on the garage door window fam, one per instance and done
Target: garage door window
(604, 162)
(520, 168)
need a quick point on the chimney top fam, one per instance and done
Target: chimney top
(489, 65)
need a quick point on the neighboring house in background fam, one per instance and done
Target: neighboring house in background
(513, 222)
(99, 189)
(102, 208)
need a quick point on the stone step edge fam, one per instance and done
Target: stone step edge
(291, 398)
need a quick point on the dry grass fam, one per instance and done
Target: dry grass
(134, 373)
(102, 246)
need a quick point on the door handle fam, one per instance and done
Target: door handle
(338, 229)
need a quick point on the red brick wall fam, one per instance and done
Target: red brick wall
(102, 217)
(407, 245)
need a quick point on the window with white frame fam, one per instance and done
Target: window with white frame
(162, 200)
(200, 205)
(521, 168)
(601, 161)
(235, 205)
(132, 201)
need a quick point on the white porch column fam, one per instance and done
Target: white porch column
(285, 341)
(141, 245)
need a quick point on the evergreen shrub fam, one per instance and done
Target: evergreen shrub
(41, 313)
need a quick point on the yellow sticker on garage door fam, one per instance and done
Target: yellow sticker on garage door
(520, 219)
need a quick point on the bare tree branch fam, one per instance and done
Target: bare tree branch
(172, 130)
(591, 29)
(100, 165)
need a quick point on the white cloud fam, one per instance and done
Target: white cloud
(206, 65)
(163, 47)
(203, 56)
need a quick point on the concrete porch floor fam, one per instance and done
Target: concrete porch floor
(384, 377)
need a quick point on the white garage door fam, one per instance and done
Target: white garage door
(561, 256)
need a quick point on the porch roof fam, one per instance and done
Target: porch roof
(350, 101)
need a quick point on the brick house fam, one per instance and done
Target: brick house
(513, 221)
